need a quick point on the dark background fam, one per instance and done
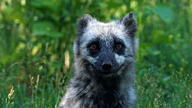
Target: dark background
(36, 57)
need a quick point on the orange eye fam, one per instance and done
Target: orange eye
(93, 47)
(118, 46)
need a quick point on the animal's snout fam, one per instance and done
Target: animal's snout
(106, 62)
(107, 66)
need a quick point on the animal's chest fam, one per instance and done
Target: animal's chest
(103, 100)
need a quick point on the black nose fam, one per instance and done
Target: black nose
(106, 66)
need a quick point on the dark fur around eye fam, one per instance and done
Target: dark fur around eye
(93, 48)
(119, 47)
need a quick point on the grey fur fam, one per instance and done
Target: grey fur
(90, 89)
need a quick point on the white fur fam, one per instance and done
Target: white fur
(120, 59)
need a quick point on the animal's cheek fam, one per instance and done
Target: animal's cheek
(91, 59)
(84, 52)
(130, 59)
(120, 59)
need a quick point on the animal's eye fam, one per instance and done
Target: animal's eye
(118, 46)
(93, 47)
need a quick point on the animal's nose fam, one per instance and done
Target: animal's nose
(106, 66)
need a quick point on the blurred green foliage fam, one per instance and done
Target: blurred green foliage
(36, 58)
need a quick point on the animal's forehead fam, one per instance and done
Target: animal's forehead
(105, 29)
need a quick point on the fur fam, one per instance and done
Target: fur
(95, 85)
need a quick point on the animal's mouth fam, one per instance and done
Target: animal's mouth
(111, 72)
(93, 69)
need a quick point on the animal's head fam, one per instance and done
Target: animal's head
(105, 49)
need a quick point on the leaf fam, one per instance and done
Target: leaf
(41, 28)
(13, 14)
(164, 12)
(114, 4)
(49, 4)
(45, 29)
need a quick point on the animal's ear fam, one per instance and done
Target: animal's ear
(83, 22)
(130, 24)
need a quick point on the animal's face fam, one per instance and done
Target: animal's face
(104, 49)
